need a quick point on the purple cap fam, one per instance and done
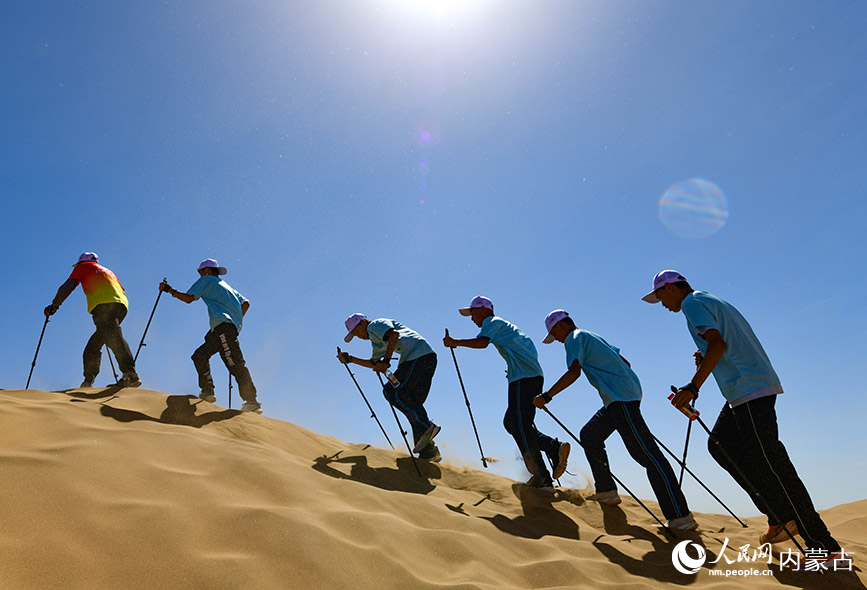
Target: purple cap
(350, 323)
(550, 321)
(211, 263)
(88, 257)
(477, 301)
(662, 278)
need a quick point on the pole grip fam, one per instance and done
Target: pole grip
(690, 413)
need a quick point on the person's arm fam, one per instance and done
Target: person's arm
(185, 297)
(63, 292)
(391, 340)
(346, 358)
(706, 363)
(568, 378)
(244, 307)
(479, 342)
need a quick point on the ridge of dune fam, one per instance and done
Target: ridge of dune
(132, 488)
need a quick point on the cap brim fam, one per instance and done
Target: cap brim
(221, 270)
(548, 339)
(465, 311)
(348, 337)
(651, 297)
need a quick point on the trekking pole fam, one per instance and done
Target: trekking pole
(701, 483)
(230, 391)
(142, 341)
(111, 362)
(694, 415)
(685, 448)
(467, 400)
(33, 364)
(372, 413)
(614, 477)
(402, 431)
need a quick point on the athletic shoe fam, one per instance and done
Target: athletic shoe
(252, 407)
(684, 523)
(208, 396)
(776, 533)
(609, 498)
(430, 453)
(560, 463)
(130, 379)
(86, 383)
(426, 438)
(538, 483)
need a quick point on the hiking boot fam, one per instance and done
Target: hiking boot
(208, 396)
(538, 483)
(776, 534)
(253, 406)
(86, 383)
(560, 463)
(684, 523)
(609, 498)
(129, 379)
(430, 453)
(426, 438)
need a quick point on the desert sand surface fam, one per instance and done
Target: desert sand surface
(130, 488)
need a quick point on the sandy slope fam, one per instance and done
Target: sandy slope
(137, 489)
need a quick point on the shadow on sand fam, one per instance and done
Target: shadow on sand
(180, 411)
(402, 478)
(540, 518)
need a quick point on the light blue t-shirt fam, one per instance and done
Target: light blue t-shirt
(224, 303)
(744, 371)
(522, 361)
(410, 344)
(613, 379)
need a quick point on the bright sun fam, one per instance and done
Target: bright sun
(441, 10)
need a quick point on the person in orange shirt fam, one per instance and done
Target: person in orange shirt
(107, 303)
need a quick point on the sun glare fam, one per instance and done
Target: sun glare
(441, 10)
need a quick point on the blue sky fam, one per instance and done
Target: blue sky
(397, 158)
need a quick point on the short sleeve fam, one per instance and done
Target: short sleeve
(379, 328)
(698, 315)
(198, 288)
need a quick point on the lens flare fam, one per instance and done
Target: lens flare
(426, 133)
(693, 209)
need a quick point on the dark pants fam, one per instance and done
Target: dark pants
(626, 419)
(749, 434)
(223, 339)
(107, 318)
(415, 380)
(518, 422)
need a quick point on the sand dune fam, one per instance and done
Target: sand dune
(138, 489)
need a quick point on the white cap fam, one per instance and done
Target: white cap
(662, 278)
(211, 263)
(351, 322)
(88, 257)
(477, 301)
(551, 320)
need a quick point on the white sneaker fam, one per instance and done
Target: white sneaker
(609, 498)
(252, 407)
(684, 523)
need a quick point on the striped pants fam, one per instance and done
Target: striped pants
(749, 435)
(626, 419)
